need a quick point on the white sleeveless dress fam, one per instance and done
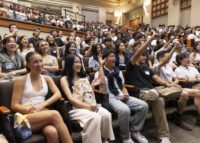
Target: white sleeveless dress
(30, 95)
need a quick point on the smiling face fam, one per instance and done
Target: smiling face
(50, 39)
(44, 47)
(197, 48)
(121, 48)
(35, 63)
(11, 45)
(110, 61)
(72, 49)
(24, 41)
(77, 65)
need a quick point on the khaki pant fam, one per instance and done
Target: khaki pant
(158, 110)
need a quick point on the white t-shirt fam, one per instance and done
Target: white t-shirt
(188, 72)
(165, 72)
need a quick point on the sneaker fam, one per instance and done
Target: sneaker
(179, 122)
(128, 141)
(139, 137)
(165, 140)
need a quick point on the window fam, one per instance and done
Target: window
(185, 4)
(159, 8)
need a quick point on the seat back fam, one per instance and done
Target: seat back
(6, 89)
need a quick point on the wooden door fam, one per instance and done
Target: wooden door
(134, 23)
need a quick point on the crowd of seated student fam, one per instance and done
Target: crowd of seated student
(150, 55)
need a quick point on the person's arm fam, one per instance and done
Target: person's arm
(100, 80)
(88, 52)
(2, 74)
(139, 52)
(167, 58)
(72, 100)
(17, 93)
(160, 81)
(52, 68)
(198, 78)
(16, 72)
(55, 91)
(11, 34)
(175, 80)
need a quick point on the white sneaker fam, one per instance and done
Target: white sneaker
(139, 137)
(165, 140)
(128, 141)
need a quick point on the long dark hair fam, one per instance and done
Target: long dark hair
(94, 51)
(68, 69)
(117, 45)
(67, 48)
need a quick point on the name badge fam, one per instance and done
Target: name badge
(9, 66)
(147, 73)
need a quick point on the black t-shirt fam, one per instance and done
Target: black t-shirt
(139, 76)
(59, 42)
(34, 40)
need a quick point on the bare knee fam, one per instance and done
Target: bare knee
(51, 133)
(55, 116)
(159, 101)
(184, 98)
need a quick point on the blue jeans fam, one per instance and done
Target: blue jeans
(124, 108)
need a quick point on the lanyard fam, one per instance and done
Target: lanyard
(16, 65)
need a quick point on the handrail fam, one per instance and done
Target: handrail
(45, 17)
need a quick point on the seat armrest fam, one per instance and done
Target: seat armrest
(129, 86)
(4, 110)
(98, 91)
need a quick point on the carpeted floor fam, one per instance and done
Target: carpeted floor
(178, 135)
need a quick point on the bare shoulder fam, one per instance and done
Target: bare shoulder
(47, 78)
(21, 79)
(63, 78)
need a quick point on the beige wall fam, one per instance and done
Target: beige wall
(91, 15)
(110, 16)
(160, 20)
(102, 14)
(188, 16)
(173, 12)
(147, 18)
(185, 17)
(195, 8)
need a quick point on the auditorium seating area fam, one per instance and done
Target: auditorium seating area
(170, 48)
